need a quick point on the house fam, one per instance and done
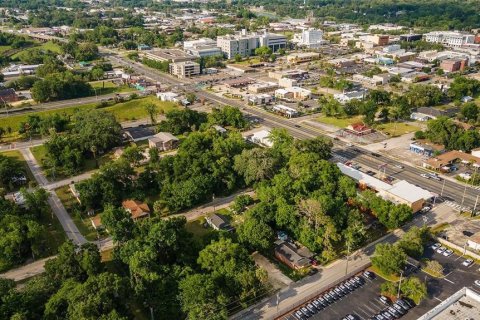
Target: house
(138, 133)
(8, 95)
(218, 222)
(137, 209)
(359, 129)
(349, 96)
(167, 96)
(288, 254)
(450, 157)
(163, 141)
(420, 117)
(261, 137)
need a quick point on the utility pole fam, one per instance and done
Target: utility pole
(348, 256)
(475, 206)
(443, 187)
(399, 284)
(464, 192)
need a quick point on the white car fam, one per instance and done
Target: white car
(447, 253)
(436, 246)
(477, 283)
(426, 209)
(467, 262)
(424, 175)
(399, 166)
(441, 250)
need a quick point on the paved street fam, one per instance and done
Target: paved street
(26, 271)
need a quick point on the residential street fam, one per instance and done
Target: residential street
(26, 271)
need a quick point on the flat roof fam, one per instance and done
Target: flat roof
(409, 192)
(363, 177)
(463, 304)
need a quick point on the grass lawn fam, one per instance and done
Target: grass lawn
(395, 129)
(82, 222)
(392, 278)
(5, 48)
(50, 46)
(339, 122)
(248, 62)
(56, 234)
(108, 87)
(18, 156)
(197, 229)
(124, 111)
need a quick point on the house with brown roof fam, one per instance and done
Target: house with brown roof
(289, 255)
(359, 129)
(136, 208)
(450, 157)
(97, 222)
(163, 141)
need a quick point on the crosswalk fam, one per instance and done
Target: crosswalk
(456, 206)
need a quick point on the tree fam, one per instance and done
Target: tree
(181, 121)
(389, 259)
(434, 266)
(10, 170)
(264, 52)
(256, 234)
(36, 202)
(134, 155)
(470, 111)
(119, 223)
(241, 202)
(86, 51)
(414, 289)
(463, 86)
(238, 57)
(255, 165)
(97, 73)
(227, 116)
(320, 146)
(191, 97)
(152, 111)
(414, 241)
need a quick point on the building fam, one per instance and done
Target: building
(302, 57)
(245, 44)
(349, 96)
(203, 47)
(359, 129)
(450, 38)
(218, 222)
(288, 254)
(187, 45)
(184, 69)
(293, 93)
(341, 62)
(310, 38)
(167, 96)
(410, 37)
(163, 141)
(261, 137)
(168, 55)
(449, 158)
(463, 304)
(97, 222)
(296, 74)
(137, 209)
(262, 87)
(452, 65)
(8, 95)
(401, 192)
(285, 111)
(260, 99)
(425, 149)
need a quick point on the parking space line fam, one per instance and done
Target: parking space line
(458, 258)
(363, 312)
(359, 316)
(438, 299)
(449, 280)
(470, 265)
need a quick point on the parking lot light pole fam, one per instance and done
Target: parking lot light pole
(399, 284)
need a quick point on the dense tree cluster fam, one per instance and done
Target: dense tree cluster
(22, 235)
(390, 215)
(462, 86)
(454, 137)
(10, 171)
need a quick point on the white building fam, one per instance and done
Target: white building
(286, 111)
(184, 69)
(260, 99)
(167, 96)
(245, 44)
(310, 38)
(187, 45)
(203, 47)
(349, 96)
(450, 38)
(261, 137)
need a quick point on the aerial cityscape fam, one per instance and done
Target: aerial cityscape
(243, 160)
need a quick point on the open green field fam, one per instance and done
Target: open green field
(4, 48)
(18, 156)
(394, 129)
(339, 122)
(108, 87)
(124, 111)
(50, 46)
(81, 220)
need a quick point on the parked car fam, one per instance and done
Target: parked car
(399, 308)
(441, 249)
(447, 253)
(467, 263)
(426, 209)
(435, 246)
(477, 283)
(384, 300)
(369, 274)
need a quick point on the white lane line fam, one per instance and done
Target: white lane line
(449, 280)
(470, 265)
(438, 299)
(359, 316)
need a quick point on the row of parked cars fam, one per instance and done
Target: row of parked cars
(328, 298)
(394, 310)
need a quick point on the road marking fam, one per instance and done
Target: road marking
(438, 299)
(358, 315)
(449, 280)
(470, 265)
(458, 258)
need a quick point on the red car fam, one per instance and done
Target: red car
(314, 262)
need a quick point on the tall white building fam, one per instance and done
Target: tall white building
(184, 69)
(449, 38)
(310, 38)
(245, 44)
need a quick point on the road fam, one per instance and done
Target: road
(308, 287)
(462, 194)
(59, 104)
(26, 271)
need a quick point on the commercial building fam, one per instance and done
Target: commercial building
(452, 65)
(463, 304)
(285, 111)
(401, 192)
(296, 74)
(410, 37)
(310, 38)
(450, 157)
(261, 137)
(450, 38)
(261, 87)
(203, 47)
(260, 99)
(184, 69)
(245, 44)
(302, 57)
(168, 55)
(293, 93)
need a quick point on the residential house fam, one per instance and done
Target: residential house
(288, 254)
(97, 222)
(163, 141)
(8, 95)
(137, 209)
(218, 222)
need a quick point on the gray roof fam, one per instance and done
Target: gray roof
(163, 137)
(289, 252)
(219, 221)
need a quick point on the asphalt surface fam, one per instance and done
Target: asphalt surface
(363, 302)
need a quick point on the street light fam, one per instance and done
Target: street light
(399, 284)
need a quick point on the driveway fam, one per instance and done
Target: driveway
(275, 276)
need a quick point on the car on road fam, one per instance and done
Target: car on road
(467, 263)
(369, 275)
(356, 150)
(298, 126)
(477, 283)
(435, 246)
(424, 175)
(435, 176)
(448, 253)
(441, 250)
(426, 209)
(370, 173)
(399, 166)
(384, 300)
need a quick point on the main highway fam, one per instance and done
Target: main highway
(453, 191)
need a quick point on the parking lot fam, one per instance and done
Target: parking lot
(363, 302)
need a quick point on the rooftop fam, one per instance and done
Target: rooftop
(463, 304)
